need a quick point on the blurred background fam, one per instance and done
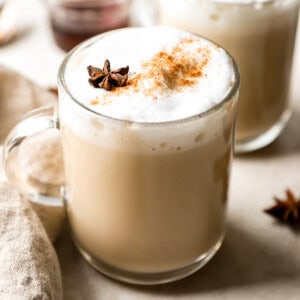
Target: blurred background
(35, 35)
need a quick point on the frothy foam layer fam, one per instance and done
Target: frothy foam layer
(173, 74)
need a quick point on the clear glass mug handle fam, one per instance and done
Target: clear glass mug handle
(33, 159)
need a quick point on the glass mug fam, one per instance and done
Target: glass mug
(260, 35)
(146, 202)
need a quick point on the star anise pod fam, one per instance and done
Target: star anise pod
(107, 79)
(286, 210)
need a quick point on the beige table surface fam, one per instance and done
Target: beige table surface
(259, 259)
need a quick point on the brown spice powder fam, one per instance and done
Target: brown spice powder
(94, 101)
(172, 70)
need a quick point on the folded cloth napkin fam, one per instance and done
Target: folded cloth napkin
(29, 267)
(18, 96)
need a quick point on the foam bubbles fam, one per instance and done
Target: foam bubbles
(155, 93)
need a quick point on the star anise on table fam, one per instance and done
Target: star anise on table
(286, 210)
(107, 79)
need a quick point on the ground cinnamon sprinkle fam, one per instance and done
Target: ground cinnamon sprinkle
(172, 70)
(105, 99)
(95, 101)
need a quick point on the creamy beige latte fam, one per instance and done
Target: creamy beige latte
(260, 36)
(147, 164)
(148, 212)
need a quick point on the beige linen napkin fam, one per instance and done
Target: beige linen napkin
(18, 96)
(28, 264)
(29, 267)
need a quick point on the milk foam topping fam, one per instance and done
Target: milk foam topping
(172, 74)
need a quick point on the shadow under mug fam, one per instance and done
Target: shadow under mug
(146, 202)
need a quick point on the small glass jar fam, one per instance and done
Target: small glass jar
(73, 21)
(260, 35)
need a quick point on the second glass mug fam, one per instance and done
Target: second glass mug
(260, 35)
(146, 202)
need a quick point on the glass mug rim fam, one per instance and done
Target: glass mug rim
(62, 86)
